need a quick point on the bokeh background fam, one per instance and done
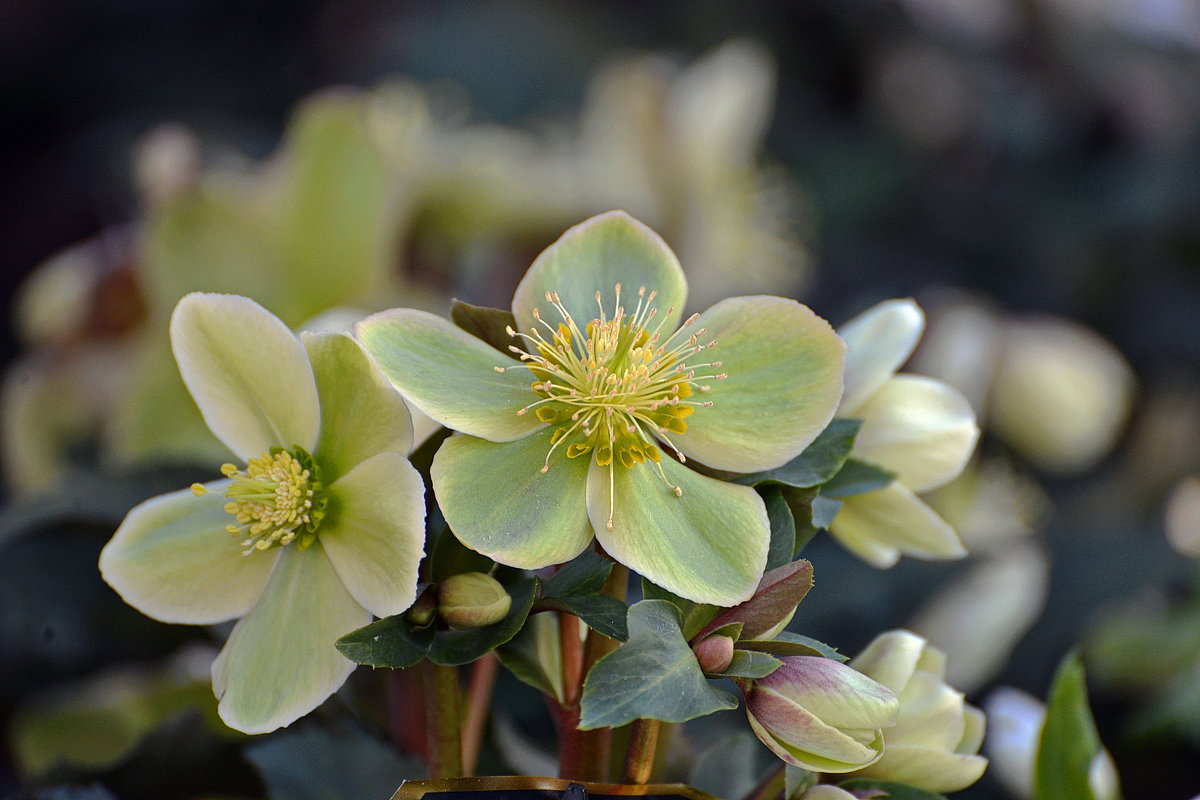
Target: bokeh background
(1013, 164)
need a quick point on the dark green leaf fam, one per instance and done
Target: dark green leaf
(729, 766)
(654, 675)
(824, 511)
(819, 462)
(857, 477)
(577, 588)
(451, 557)
(488, 324)
(889, 790)
(602, 613)
(451, 648)
(783, 527)
(787, 643)
(797, 781)
(695, 615)
(1069, 740)
(777, 595)
(751, 664)
(584, 575)
(341, 764)
(534, 655)
(800, 503)
(390, 642)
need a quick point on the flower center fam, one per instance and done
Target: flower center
(617, 387)
(276, 499)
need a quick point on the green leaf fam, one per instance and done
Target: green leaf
(695, 615)
(484, 323)
(534, 655)
(857, 477)
(343, 763)
(577, 588)
(797, 781)
(751, 664)
(787, 643)
(819, 462)
(889, 790)
(390, 642)
(783, 527)
(777, 595)
(824, 511)
(652, 676)
(801, 502)
(729, 767)
(452, 557)
(451, 648)
(1069, 740)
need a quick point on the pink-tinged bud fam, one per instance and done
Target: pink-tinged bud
(935, 742)
(821, 715)
(714, 653)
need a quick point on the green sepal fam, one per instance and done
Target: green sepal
(392, 642)
(1069, 740)
(857, 477)
(488, 324)
(787, 643)
(778, 594)
(750, 664)
(731, 629)
(819, 462)
(695, 615)
(889, 790)
(824, 511)
(451, 648)
(654, 675)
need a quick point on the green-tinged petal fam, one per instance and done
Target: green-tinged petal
(919, 428)
(894, 519)
(173, 560)
(449, 374)
(784, 367)
(890, 658)
(247, 372)
(708, 544)
(926, 768)
(280, 662)
(594, 256)
(498, 501)
(931, 714)
(878, 342)
(374, 532)
(361, 412)
(836, 752)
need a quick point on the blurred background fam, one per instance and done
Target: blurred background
(1029, 170)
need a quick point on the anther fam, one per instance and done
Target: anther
(199, 490)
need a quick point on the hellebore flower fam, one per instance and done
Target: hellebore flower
(587, 432)
(921, 429)
(323, 527)
(821, 715)
(934, 744)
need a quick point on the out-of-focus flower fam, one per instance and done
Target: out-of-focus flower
(1183, 517)
(543, 465)
(821, 715)
(1015, 721)
(322, 529)
(919, 428)
(935, 742)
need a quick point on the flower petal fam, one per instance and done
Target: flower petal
(891, 658)
(878, 342)
(374, 532)
(808, 742)
(594, 256)
(449, 374)
(498, 501)
(247, 372)
(785, 379)
(280, 662)
(361, 412)
(894, 520)
(173, 560)
(708, 545)
(920, 428)
(926, 767)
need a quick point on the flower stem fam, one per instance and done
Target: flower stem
(771, 786)
(639, 761)
(597, 744)
(479, 697)
(442, 720)
(570, 745)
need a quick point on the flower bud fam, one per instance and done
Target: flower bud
(935, 741)
(819, 714)
(472, 600)
(714, 653)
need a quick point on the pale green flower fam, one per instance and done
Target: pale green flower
(935, 742)
(921, 429)
(322, 529)
(587, 433)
